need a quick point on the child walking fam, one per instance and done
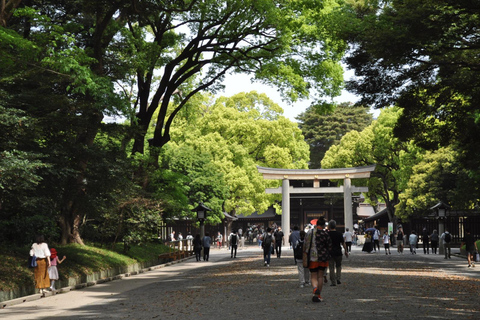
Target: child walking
(386, 242)
(52, 270)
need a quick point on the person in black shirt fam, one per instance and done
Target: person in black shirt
(426, 241)
(335, 263)
(278, 241)
(470, 247)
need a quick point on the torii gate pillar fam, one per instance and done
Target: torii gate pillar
(286, 207)
(347, 202)
(316, 175)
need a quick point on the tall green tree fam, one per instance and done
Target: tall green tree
(324, 129)
(56, 67)
(187, 47)
(422, 56)
(438, 177)
(237, 134)
(377, 144)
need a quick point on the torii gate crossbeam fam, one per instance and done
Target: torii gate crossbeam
(316, 175)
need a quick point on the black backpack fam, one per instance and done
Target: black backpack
(267, 240)
(298, 250)
(448, 237)
(233, 239)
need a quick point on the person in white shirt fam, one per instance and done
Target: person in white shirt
(348, 238)
(446, 238)
(413, 239)
(376, 238)
(386, 243)
(42, 255)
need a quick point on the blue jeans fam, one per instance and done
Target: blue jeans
(267, 252)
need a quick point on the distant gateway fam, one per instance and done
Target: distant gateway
(316, 175)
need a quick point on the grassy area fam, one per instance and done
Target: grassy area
(478, 245)
(80, 260)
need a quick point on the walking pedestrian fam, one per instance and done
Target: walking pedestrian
(386, 243)
(425, 241)
(197, 247)
(294, 237)
(368, 244)
(400, 237)
(42, 255)
(189, 239)
(335, 262)
(260, 239)
(317, 246)
(206, 242)
(180, 239)
(303, 273)
(412, 240)
(470, 247)
(218, 240)
(52, 270)
(279, 241)
(376, 239)
(233, 240)
(434, 241)
(348, 238)
(446, 238)
(267, 245)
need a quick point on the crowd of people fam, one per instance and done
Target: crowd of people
(430, 242)
(318, 250)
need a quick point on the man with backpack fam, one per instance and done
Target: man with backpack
(294, 237)
(303, 273)
(446, 238)
(233, 240)
(267, 245)
(279, 241)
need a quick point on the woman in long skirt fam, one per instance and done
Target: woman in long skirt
(368, 245)
(42, 255)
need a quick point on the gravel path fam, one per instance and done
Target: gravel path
(374, 286)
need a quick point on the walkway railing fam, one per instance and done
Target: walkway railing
(178, 249)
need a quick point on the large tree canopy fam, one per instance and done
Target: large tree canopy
(324, 129)
(186, 47)
(423, 56)
(67, 64)
(376, 144)
(438, 177)
(235, 135)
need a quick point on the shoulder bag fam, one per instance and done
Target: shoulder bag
(32, 261)
(306, 255)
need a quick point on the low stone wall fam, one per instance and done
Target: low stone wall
(85, 280)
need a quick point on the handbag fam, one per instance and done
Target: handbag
(306, 255)
(32, 261)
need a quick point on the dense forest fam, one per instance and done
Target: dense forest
(65, 66)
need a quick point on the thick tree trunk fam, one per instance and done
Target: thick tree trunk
(71, 217)
(70, 224)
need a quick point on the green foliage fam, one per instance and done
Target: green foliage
(292, 45)
(438, 177)
(323, 130)
(80, 260)
(376, 144)
(234, 135)
(421, 56)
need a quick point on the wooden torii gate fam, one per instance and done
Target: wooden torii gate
(316, 175)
